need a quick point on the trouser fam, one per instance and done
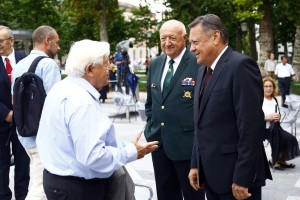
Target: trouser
(284, 86)
(172, 178)
(122, 81)
(21, 161)
(73, 188)
(211, 195)
(36, 190)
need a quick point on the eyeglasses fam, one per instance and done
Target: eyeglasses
(268, 86)
(2, 40)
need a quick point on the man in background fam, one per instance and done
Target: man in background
(8, 135)
(122, 60)
(284, 72)
(45, 43)
(169, 111)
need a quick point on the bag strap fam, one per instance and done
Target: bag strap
(35, 63)
(277, 105)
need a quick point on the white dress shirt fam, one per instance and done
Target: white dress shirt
(284, 71)
(75, 137)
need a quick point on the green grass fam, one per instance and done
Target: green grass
(295, 88)
(143, 84)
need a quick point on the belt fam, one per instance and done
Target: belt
(74, 178)
(284, 78)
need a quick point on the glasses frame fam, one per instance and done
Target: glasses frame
(2, 40)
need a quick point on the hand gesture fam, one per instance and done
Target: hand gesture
(144, 149)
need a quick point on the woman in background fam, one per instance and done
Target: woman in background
(288, 147)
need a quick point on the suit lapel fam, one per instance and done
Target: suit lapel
(197, 92)
(181, 67)
(161, 63)
(216, 74)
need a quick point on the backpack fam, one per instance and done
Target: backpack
(28, 101)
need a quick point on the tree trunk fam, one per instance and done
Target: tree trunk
(266, 32)
(238, 40)
(252, 41)
(102, 22)
(296, 56)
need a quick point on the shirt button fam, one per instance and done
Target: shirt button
(162, 107)
(162, 124)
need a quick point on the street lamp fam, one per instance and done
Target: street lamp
(149, 33)
(244, 26)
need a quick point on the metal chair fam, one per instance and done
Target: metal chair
(290, 117)
(124, 101)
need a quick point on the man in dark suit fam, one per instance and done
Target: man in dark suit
(228, 154)
(169, 110)
(8, 136)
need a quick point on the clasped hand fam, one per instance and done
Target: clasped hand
(145, 148)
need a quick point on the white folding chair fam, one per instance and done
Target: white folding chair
(124, 101)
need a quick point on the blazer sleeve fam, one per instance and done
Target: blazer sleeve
(248, 100)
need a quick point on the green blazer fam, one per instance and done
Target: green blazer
(170, 119)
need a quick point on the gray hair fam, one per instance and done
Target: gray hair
(174, 23)
(211, 22)
(8, 30)
(83, 53)
(42, 32)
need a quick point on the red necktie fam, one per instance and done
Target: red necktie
(206, 77)
(8, 68)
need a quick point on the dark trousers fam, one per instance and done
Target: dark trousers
(211, 195)
(284, 86)
(73, 188)
(172, 178)
(21, 160)
(122, 81)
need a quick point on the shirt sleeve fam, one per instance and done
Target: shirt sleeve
(94, 140)
(50, 73)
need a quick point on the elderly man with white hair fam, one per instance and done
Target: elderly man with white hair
(76, 140)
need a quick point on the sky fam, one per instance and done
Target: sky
(156, 5)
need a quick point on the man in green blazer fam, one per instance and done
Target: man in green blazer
(169, 110)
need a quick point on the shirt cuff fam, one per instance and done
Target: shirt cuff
(131, 152)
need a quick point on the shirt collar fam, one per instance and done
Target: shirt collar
(217, 59)
(178, 58)
(11, 57)
(87, 86)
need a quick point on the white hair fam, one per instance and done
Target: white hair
(174, 23)
(83, 53)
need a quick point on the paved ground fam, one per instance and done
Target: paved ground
(285, 186)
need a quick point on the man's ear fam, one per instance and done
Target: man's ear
(89, 70)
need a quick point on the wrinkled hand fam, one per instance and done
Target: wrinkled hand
(193, 177)
(144, 149)
(240, 192)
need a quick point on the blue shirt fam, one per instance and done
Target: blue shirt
(121, 57)
(48, 70)
(75, 137)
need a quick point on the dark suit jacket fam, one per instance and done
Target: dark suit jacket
(229, 125)
(5, 90)
(170, 119)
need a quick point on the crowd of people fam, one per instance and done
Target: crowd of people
(208, 113)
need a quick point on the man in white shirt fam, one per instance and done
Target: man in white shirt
(76, 140)
(284, 72)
